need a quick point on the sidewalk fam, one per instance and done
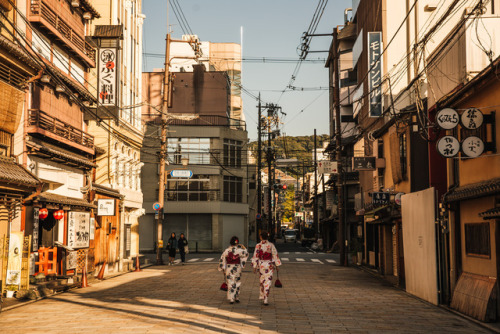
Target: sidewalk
(187, 299)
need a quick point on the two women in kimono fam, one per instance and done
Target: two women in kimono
(233, 259)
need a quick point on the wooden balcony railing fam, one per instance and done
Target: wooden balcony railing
(40, 12)
(44, 121)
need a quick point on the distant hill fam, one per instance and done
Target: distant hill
(299, 147)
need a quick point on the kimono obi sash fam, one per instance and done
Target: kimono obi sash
(265, 256)
(232, 258)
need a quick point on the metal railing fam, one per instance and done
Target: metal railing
(39, 8)
(210, 120)
(46, 122)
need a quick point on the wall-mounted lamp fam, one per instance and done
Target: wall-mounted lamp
(75, 3)
(45, 78)
(86, 103)
(87, 16)
(60, 89)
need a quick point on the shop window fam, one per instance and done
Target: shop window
(196, 150)
(195, 189)
(477, 240)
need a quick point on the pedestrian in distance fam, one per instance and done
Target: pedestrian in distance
(171, 247)
(265, 259)
(182, 244)
(231, 262)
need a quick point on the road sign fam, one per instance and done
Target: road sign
(181, 173)
(327, 167)
(156, 206)
(258, 216)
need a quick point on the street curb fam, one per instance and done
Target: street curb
(443, 307)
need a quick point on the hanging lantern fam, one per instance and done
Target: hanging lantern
(59, 214)
(43, 213)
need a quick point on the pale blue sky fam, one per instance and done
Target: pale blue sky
(271, 28)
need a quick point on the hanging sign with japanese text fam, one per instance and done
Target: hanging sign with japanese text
(107, 76)
(448, 146)
(381, 198)
(105, 207)
(472, 146)
(327, 167)
(363, 163)
(472, 119)
(375, 74)
(78, 229)
(36, 228)
(447, 118)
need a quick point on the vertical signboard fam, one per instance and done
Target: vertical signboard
(107, 76)
(375, 74)
(78, 229)
(36, 224)
(14, 262)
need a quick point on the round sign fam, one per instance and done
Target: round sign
(472, 118)
(448, 146)
(472, 146)
(258, 216)
(156, 206)
(447, 118)
(397, 198)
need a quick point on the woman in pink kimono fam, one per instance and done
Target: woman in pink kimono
(265, 259)
(232, 261)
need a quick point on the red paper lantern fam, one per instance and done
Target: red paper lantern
(43, 213)
(59, 214)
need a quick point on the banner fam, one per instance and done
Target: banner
(375, 75)
(107, 68)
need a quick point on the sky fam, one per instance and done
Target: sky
(271, 28)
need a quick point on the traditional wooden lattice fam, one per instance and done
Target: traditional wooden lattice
(25, 266)
(87, 253)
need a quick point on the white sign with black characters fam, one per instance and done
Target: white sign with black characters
(106, 207)
(78, 229)
(376, 73)
(447, 118)
(36, 228)
(448, 146)
(107, 76)
(472, 119)
(472, 146)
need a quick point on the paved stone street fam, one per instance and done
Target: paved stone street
(187, 299)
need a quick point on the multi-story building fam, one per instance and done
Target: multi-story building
(212, 205)
(397, 96)
(53, 140)
(118, 129)
(17, 68)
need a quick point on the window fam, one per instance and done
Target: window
(233, 189)
(403, 155)
(477, 240)
(232, 153)
(195, 189)
(197, 150)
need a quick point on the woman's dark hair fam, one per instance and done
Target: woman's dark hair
(264, 235)
(172, 235)
(234, 241)
(181, 235)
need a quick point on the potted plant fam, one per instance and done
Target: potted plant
(10, 291)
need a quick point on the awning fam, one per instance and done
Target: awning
(493, 213)
(63, 155)
(382, 221)
(46, 197)
(14, 174)
(106, 190)
(475, 190)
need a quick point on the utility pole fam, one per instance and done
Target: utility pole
(163, 155)
(269, 180)
(259, 168)
(338, 145)
(315, 208)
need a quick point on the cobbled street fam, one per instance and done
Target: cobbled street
(315, 298)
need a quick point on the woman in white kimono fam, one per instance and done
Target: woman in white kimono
(232, 261)
(265, 259)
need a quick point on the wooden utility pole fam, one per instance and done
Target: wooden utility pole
(338, 146)
(163, 155)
